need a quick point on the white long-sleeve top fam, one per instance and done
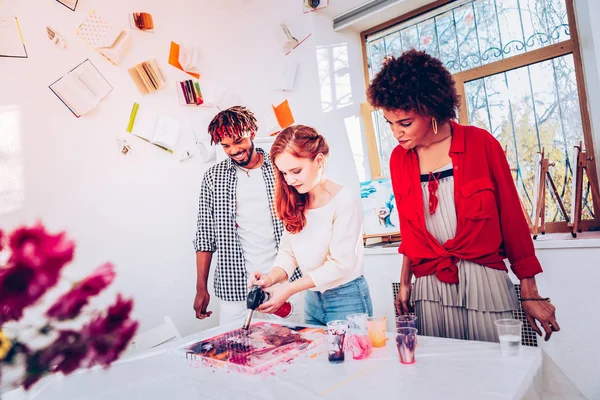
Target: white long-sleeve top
(330, 246)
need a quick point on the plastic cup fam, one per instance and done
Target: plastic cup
(509, 332)
(376, 328)
(406, 340)
(358, 340)
(336, 335)
(406, 321)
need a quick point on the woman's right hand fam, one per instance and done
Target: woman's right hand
(403, 300)
(258, 278)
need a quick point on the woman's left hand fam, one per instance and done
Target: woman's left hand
(538, 310)
(279, 294)
(544, 313)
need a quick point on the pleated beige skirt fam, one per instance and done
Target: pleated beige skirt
(466, 310)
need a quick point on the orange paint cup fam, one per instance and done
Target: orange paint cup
(376, 326)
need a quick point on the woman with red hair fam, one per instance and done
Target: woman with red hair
(323, 233)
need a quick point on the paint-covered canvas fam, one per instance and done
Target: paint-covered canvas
(379, 208)
(256, 350)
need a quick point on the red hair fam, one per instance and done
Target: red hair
(301, 141)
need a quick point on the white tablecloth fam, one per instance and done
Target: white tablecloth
(445, 369)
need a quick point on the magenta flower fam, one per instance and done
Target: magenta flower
(116, 315)
(110, 334)
(33, 267)
(69, 305)
(34, 247)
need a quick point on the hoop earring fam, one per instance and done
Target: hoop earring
(434, 125)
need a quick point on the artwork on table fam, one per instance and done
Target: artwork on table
(379, 208)
(256, 350)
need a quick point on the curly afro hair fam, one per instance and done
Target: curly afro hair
(418, 82)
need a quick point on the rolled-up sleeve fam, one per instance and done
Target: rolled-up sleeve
(205, 232)
(516, 237)
(346, 245)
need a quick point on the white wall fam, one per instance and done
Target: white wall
(139, 211)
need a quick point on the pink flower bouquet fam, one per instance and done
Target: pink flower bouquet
(68, 334)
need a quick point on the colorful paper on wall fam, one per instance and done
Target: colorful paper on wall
(284, 115)
(174, 54)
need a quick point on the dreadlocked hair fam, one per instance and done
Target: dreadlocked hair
(235, 122)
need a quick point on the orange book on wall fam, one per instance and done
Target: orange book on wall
(284, 115)
(174, 57)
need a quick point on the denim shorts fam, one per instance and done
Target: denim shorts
(349, 298)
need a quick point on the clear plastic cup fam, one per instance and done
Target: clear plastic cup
(336, 335)
(406, 341)
(376, 328)
(509, 332)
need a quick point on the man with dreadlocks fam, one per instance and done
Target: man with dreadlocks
(237, 217)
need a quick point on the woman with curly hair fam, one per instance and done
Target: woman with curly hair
(460, 214)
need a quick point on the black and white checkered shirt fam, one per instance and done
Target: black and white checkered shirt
(217, 227)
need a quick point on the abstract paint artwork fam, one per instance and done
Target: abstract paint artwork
(379, 207)
(253, 351)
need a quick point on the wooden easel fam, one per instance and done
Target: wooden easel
(390, 238)
(540, 206)
(527, 217)
(582, 161)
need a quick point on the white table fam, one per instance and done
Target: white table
(445, 369)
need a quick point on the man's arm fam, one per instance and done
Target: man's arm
(205, 246)
(203, 260)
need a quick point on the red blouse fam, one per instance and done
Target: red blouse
(490, 226)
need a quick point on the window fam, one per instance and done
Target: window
(517, 66)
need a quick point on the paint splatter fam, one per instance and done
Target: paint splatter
(255, 350)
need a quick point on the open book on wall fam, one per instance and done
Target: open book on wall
(141, 21)
(147, 76)
(11, 38)
(107, 40)
(162, 131)
(82, 88)
(187, 59)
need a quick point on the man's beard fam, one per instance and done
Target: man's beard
(247, 161)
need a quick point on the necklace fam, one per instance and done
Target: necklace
(247, 170)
